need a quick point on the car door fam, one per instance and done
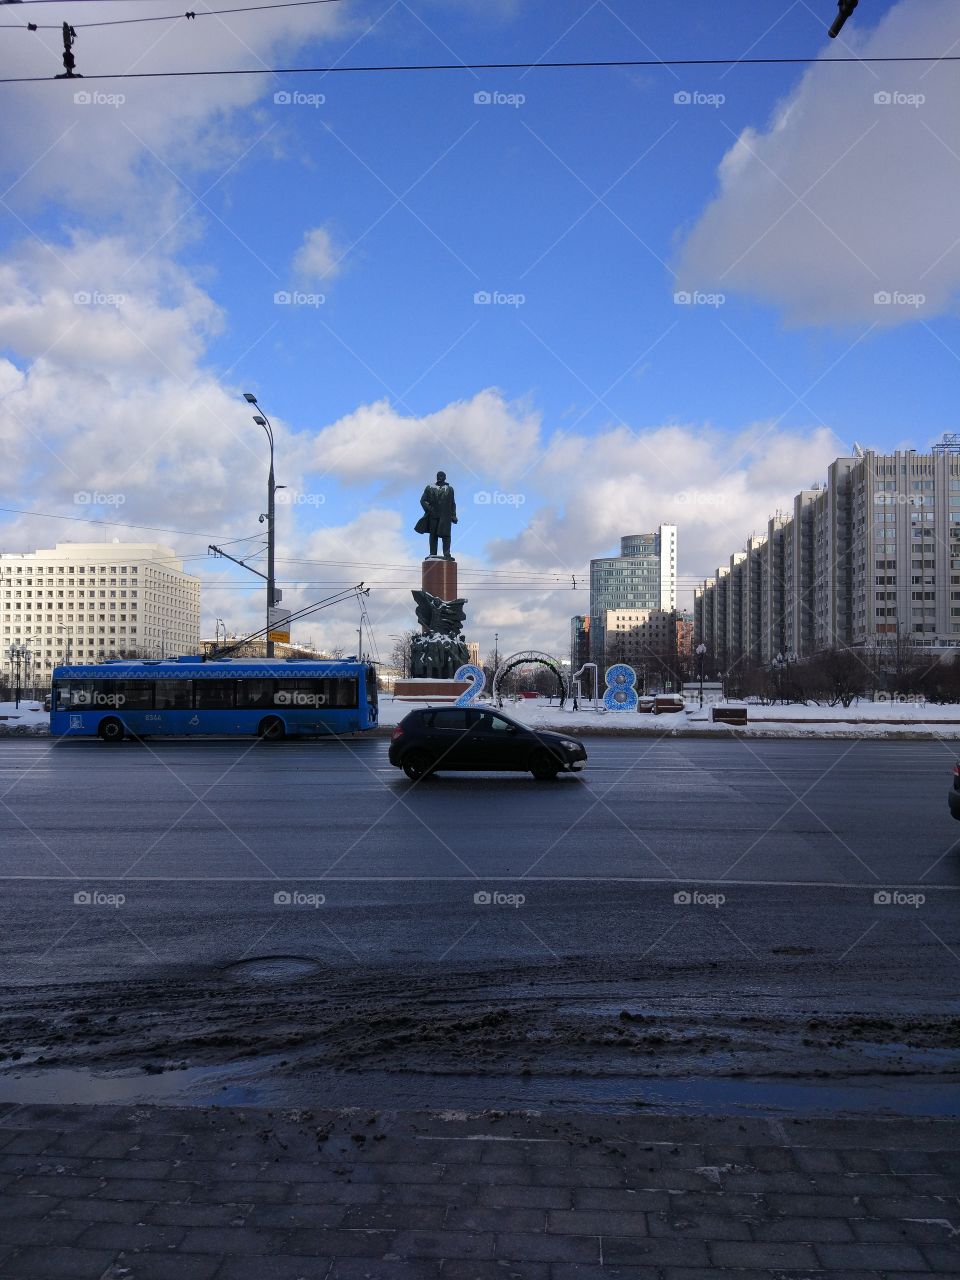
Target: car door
(448, 738)
(498, 743)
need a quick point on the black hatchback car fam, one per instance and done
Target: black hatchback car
(434, 738)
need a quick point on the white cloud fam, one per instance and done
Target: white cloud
(116, 398)
(843, 197)
(473, 438)
(138, 159)
(318, 258)
(715, 487)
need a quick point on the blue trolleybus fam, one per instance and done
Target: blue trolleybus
(270, 698)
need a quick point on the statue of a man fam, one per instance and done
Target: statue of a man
(439, 514)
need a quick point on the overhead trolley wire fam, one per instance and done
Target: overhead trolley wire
(599, 63)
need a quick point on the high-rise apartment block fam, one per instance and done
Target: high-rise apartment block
(643, 576)
(84, 602)
(872, 555)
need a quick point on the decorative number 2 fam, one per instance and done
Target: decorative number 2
(621, 692)
(470, 672)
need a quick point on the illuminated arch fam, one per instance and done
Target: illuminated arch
(524, 658)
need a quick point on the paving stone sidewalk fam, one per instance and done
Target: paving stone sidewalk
(178, 1193)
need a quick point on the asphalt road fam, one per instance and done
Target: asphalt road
(691, 914)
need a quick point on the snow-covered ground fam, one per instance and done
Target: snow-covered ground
(861, 719)
(873, 719)
(29, 717)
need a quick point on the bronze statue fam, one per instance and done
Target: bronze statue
(439, 514)
(437, 657)
(438, 653)
(445, 617)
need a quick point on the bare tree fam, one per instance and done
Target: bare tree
(400, 654)
(841, 674)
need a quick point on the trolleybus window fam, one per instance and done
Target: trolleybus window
(214, 695)
(254, 694)
(173, 695)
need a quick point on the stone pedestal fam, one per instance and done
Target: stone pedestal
(438, 652)
(439, 577)
(429, 691)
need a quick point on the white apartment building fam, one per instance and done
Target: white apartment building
(868, 559)
(88, 601)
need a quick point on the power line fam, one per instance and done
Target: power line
(530, 581)
(161, 17)
(116, 524)
(623, 63)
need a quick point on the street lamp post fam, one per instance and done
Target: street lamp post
(13, 654)
(701, 652)
(19, 656)
(261, 419)
(69, 653)
(781, 667)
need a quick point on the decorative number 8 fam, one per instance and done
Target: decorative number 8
(621, 692)
(470, 672)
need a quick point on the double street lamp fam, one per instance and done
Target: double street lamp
(261, 419)
(701, 652)
(781, 667)
(19, 656)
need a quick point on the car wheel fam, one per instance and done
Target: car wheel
(544, 766)
(271, 729)
(110, 730)
(416, 765)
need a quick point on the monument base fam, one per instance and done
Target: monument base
(439, 577)
(428, 691)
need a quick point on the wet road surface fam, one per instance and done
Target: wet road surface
(693, 922)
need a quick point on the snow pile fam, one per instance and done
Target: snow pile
(29, 717)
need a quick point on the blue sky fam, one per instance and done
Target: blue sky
(782, 198)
